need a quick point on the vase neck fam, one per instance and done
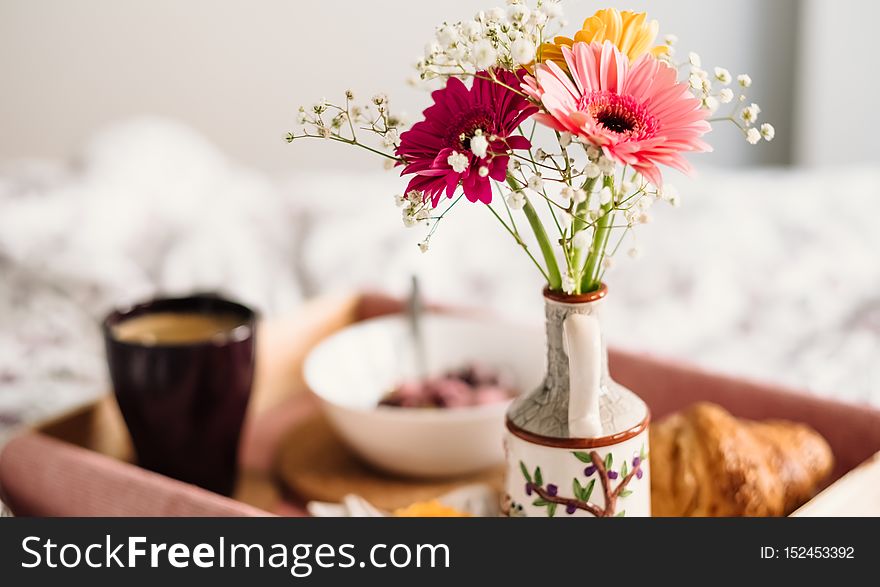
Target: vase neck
(558, 364)
(545, 411)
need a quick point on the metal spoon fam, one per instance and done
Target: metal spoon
(415, 310)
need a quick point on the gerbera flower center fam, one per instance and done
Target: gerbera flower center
(465, 125)
(620, 114)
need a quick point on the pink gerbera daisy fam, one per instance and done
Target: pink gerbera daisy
(638, 114)
(466, 137)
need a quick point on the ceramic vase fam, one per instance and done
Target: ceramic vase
(578, 444)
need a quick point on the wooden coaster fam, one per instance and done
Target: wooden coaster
(315, 465)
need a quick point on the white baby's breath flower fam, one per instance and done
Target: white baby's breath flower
(391, 138)
(592, 171)
(495, 14)
(431, 49)
(479, 144)
(471, 30)
(516, 200)
(725, 96)
(744, 80)
(456, 53)
(667, 192)
(399, 200)
(553, 9)
(694, 59)
(579, 196)
(447, 35)
(581, 239)
(523, 51)
(536, 182)
(606, 165)
(605, 195)
(706, 86)
(635, 252)
(484, 55)
(607, 263)
(723, 75)
(750, 113)
(423, 246)
(518, 13)
(767, 131)
(567, 193)
(458, 161)
(753, 136)
(513, 164)
(483, 171)
(710, 103)
(568, 284)
(539, 18)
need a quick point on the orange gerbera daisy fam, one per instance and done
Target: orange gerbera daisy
(631, 32)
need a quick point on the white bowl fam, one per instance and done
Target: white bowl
(353, 369)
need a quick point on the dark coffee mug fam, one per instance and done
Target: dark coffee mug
(184, 402)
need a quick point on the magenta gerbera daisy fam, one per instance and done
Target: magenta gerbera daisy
(639, 114)
(466, 137)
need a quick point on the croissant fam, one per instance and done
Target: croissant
(705, 462)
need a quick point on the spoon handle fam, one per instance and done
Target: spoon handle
(415, 311)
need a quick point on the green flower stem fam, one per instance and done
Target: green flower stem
(339, 139)
(590, 281)
(579, 223)
(554, 279)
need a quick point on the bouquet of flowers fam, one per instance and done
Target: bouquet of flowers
(525, 117)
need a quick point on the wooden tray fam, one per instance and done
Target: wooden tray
(281, 412)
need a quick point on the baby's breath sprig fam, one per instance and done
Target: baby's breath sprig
(506, 37)
(341, 123)
(706, 86)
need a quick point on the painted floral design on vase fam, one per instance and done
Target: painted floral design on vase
(578, 444)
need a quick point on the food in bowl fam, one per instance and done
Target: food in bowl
(351, 370)
(475, 384)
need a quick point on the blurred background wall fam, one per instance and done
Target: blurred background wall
(237, 70)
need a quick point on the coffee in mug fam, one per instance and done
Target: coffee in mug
(182, 371)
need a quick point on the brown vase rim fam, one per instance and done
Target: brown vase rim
(574, 443)
(584, 298)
